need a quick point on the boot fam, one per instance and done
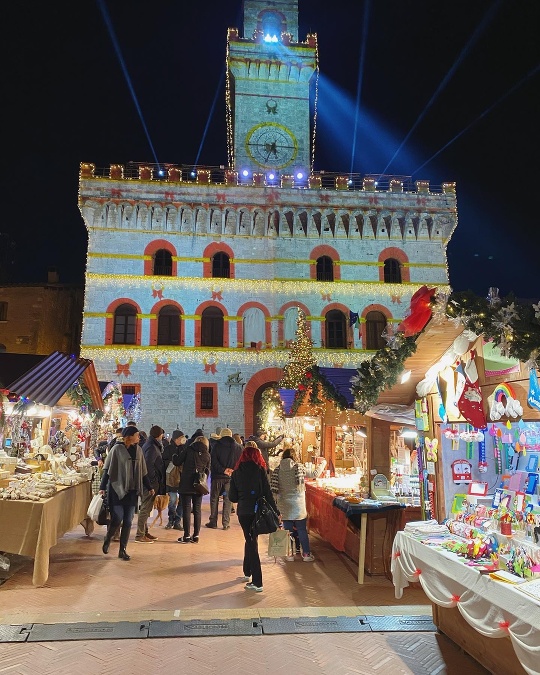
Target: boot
(123, 554)
(106, 544)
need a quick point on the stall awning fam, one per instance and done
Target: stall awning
(49, 380)
(340, 379)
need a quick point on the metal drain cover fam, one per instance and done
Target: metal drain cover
(44, 632)
(208, 628)
(315, 624)
(14, 633)
(412, 624)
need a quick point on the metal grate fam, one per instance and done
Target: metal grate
(201, 628)
(43, 632)
(411, 624)
(315, 624)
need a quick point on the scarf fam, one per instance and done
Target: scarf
(299, 477)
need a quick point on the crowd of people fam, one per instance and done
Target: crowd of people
(139, 472)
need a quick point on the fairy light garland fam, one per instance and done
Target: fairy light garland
(315, 102)
(228, 104)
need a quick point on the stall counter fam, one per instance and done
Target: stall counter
(462, 597)
(32, 528)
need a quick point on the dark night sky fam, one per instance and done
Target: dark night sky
(68, 100)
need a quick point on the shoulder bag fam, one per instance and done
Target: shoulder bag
(200, 483)
(266, 519)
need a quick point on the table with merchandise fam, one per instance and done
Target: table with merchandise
(466, 594)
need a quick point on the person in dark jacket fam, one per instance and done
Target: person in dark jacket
(152, 451)
(178, 440)
(100, 451)
(264, 446)
(192, 458)
(225, 456)
(249, 482)
(124, 479)
(195, 436)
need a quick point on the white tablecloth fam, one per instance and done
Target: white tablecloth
(493, 608)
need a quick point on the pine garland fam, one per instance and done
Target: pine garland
(80, 396)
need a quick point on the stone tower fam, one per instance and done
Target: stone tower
(268, 91)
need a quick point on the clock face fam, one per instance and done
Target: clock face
(271, 145)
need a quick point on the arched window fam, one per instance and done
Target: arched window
(375, 325)
(169, 326)
(392, 271)
(212, 327)
(254, 327)
(290, 319)
(163, 263)
(336, 330)
(125, 325)
(271, 26)
(325, 268)
(221, 266)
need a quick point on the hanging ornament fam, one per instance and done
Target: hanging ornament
(482, 460)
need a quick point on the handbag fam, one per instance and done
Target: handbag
(279, 543)
(94, 507)
(200, 483)
(103, 515)
(173, 474)
(266, 519)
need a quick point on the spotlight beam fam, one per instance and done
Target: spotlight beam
(472, 40)
(116, 45)
(367, 9)
(530, 74)
(210, 115)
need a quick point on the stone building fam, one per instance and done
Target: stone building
(41, 318)
(195, 277)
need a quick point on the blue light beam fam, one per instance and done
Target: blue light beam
(116, 45)
(472, 40)
(367, 9)
(530, 74)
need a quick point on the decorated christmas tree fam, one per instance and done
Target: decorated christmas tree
(301, 358)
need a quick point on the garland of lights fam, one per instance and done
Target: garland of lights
(271, 406)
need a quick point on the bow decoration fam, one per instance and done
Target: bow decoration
(162, 367)
(123, 368)
(210, 367)
(157, 291)
(431, 447)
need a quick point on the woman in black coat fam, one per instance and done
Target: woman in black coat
(192, 458)
(249, 482)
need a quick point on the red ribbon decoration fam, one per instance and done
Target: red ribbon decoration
(505, 625)
(162, 368)
(123, 369)
(456, 598)
(216, 295)
(210, 368)
(157, 294)
(221, 197)
(326, 296)
(396, 299)
(324, 198)
(420, 312)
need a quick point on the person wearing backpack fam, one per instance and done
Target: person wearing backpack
(172, 474)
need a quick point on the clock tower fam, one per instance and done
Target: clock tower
(269, 75)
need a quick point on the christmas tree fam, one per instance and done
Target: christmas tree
(301, 359)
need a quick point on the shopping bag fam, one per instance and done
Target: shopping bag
(95, 507)
(279, 543)
(173, 473)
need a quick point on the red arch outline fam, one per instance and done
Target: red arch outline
(152, 248)
(317, 252)
(399, 255)
(240, 324)
(345, 311)
(282, 310)
(372, 308)
(200, 309)
(210, 251)
(262, 377)
(154, 322)
(109, 321)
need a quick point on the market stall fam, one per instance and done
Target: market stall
(32, 528)
(464, 597)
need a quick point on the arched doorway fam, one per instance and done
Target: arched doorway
(253, 394)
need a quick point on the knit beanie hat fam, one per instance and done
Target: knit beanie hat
(129, 431)
(226, 432)
(177, 434)
(156, 431)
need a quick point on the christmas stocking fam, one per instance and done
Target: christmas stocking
(533, 399)
(470, 405)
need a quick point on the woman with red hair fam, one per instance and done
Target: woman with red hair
(249, 482)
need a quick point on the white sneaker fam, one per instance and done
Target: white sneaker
(252, 587)
(289, 558)
(244, 578)
(307, 557)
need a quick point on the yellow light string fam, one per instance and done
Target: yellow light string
(316, 100)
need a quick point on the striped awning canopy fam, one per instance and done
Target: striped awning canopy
(50, 379)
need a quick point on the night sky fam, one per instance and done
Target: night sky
(459, 70)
